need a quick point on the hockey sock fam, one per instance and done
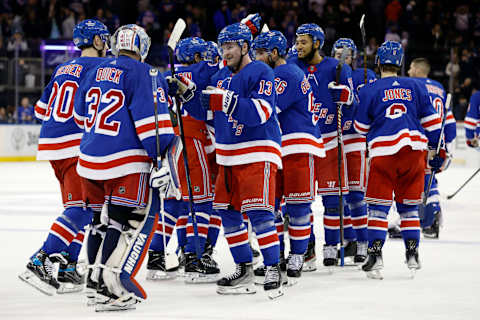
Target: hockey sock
(348, 231)
(263, 223)
(358, 211)
(279, 225)
(331, 220)
(179, 208)
(377, 223)
(299, 226)
(214, 226)
(410, 223)
(429, 212)
(236, 233)
(111, 240)
(62, 232)
(76, 245)
(171, 212)
(203, 218)
(94, 240)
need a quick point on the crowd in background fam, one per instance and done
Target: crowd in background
(446, 32)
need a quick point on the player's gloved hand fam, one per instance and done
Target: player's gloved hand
(438, 162)
(217, 99)
(341, 93)
(253, 22)
(473, 143)
(182, 87)
(161, 179)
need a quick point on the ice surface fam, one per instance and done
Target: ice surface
(447, 287)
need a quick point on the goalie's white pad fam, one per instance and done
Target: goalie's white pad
(125, 261)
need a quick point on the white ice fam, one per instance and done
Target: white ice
(447, 286)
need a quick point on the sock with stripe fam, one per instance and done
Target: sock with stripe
(299, 226)
(202, 215)
(236, 234)
(263, 223)
(409, 222)
(172, 210)
(377, 223)
(358, 211)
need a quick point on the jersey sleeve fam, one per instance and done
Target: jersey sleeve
(429, 117)
(142, 109)
(472, 119)
(362, 119)
(290, 88)
(256, 109)
(79, 101)
(42, 104)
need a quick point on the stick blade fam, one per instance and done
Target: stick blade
(265, 28)
(448, 101)
(176, 34)
(362, 21)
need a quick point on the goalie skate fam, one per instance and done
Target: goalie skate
(39, 274)
(239, 282)
(107, 301)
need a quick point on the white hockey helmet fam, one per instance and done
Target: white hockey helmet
(132, 38)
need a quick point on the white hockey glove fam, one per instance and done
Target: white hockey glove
(182, 87)
(217, 99)
(341, 93)
(161, 179)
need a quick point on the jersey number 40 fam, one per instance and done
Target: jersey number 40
(60, 103)
(114, 100)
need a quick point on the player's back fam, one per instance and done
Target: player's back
(358, 78)
(59, 135)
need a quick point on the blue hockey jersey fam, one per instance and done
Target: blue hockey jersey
(352, 140)
(320, 76)
(115, 107)
(395, 112)
(438, 97)
(472, 119)
(60, 136)
(251, 134)
(296, 112)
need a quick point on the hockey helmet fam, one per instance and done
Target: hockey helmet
(212, 51)
(312, 30)
(390, 52)
(345, 43)
(188, 47)
(271, 40)
(86, 30)
(237, 32)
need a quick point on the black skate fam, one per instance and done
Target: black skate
(295, 265)
(374, 263)
(39, 274)
(330, 257)
(350, 250)
(208, 256)
(395, 232)
(411, 254)
(200, 271)
(239, 282)
(156, 269)
(361, 254)
(260, 270)
(310, 261)
(273, 282)
(433, 231)
(70, 279)
(107, 301)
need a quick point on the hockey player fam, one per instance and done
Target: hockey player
(116, 110)
(400, 122)
(321, 74)
(355, 151)
(59, 143)
(212, 55)
(431, 214)
(301, 144)
(472, 122)
(190, 52)
(248, 153)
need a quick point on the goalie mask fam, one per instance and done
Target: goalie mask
(133, 38)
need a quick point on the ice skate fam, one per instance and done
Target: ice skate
(107, 301)
(156, 269)
(374, 263)
(310, 261)
(39, 274)
(433, 232)
(295, 265)
(69, 278)
(90, 288)
(260, 270)
(204, 270)
(394, 232)
(330, 257)
(361, 254)
(411, 254)
(239, 282)
(273, 284)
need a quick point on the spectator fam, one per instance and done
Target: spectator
(25, 112)
(393, 12)
(3, 115)
(17, 42)
(462, 17)
(222, 17)
(68, 24)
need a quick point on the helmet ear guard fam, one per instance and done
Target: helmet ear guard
(133, 38)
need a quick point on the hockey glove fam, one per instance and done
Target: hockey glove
(473, 143)
(438, 162)
(161, 179)
(182, 87)
(217, 99)
(341, 93)
(253, 22)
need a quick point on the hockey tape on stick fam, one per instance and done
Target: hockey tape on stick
(364, 40)
(176, 34)
(265, 28)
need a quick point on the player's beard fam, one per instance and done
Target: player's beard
(309, 56)
(270, 62)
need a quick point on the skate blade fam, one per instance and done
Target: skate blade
(160, 275)
(290, 282)
(30, 278)
(90, 295)
(127, 302)
(375, 274)
(70, 288)
(310, 266)
(413, 272)
(242, 289)
(259, 281)
(275, 293)
(201, 278)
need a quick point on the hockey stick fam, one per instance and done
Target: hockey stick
(340, 156)
(437, 150)
(172, 43)
(463, 185)
(364, 40)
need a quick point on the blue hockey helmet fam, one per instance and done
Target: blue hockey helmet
(345, 43)
(86, 30)
(292, 52)
(131, 37)
(312, 30)
(212, 51)
(188, 47)
(237, 32)
(390, 52)
(271, 40)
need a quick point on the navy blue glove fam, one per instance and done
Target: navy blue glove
(182, 87)
(438, 162)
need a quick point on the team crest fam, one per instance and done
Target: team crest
(121, 190)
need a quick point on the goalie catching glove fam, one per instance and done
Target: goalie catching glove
(217, 99)
(341, 93)
(182, 87)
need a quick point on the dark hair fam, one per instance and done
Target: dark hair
(389, 68)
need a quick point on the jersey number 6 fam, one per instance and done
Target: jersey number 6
(395, 110)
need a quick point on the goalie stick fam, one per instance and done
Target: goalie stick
(178, 29)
